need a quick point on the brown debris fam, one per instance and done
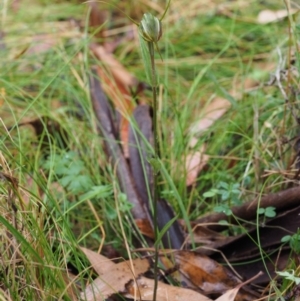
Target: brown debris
(107, 128)
(280, 200)
(125, 278)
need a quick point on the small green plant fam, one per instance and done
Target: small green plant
(229, 193)
(290, 275)
(150, 29)
(70, 171)
(294, 241)
(267, 212)
(223, 208)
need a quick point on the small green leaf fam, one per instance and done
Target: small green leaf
(223, 209)
(228, 212)
(236, 186)
(122, 197)
(60, 169)
(224, 185)
(235, 191)
(261, 211)
(270, 212)
(295, 243)
(65, 181)
(80, 183)
(223, 222)
(210, 193)
(124, 204)
(225, 195)
(247, 180)
(102, 191)
(286, 238)
(74, 168)
(236, 200)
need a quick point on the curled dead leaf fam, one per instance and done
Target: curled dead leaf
(194, 164)
(268, 16)
(202, 272)
(143, 288)
(112, 277)
(231, 294)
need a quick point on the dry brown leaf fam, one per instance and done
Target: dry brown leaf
(100, 263)
(219, 106)
(123, 278)
(194, 164)
(197, 160)
(143, 289)
(116, 68)
(117, 82)
(202, 272)
(145, 227)
(268, 16)
(113, 277)
(100, 289)
(42, 43)
(211, 113)
(231, 294)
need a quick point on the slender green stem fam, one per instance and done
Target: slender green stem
(155, 173)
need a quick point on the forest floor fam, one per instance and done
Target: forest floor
(76, 133)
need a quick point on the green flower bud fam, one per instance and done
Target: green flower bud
(150, 28)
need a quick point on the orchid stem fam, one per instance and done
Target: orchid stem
(155, 173)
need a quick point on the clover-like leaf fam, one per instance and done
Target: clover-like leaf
(270, 211)
(223, 209)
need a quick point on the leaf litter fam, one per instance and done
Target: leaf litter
(124, 278)
(214, 278)
(199, 272)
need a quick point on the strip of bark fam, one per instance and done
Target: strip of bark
(244, 247)
(142, 173)
(107, 128)
(280, 200)
(139, 152)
